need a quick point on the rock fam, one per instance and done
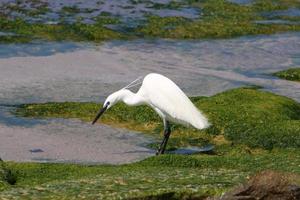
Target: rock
(267, 185)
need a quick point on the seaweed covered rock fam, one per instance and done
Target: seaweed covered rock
(267, 185)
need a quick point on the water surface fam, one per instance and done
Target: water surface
(200, 67)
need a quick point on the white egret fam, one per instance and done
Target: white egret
(166, 98)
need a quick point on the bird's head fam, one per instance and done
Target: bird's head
(111, 100)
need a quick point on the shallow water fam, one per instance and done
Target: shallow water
(37, 48)
(242, 2)
(83, 72)
(60, 140)
(291, 12)
(277, 21)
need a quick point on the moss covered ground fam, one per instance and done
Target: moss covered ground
(169, 176)
(221, 19)
(26, 32)
(217, 19)
(252, 131)
(292, 74)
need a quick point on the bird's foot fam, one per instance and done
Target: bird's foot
(159, 152)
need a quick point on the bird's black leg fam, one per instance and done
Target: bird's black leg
(163, 144)
(160, 147)
(167, 135)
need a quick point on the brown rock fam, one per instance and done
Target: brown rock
(267, 185)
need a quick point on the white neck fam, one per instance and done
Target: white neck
(131, 98)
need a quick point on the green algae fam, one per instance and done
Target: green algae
(217, 19)
(52, 32)
(292, 74)
(172, 176)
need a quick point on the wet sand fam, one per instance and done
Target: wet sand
(84, 72)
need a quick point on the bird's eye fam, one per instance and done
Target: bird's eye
(108, 103)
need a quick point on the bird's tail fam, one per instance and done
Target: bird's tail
(201, 122)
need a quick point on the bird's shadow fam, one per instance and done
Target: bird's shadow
(193, 150)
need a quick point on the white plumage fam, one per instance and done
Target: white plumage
(166, 98)
(163, 94)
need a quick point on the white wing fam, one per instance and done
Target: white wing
(163, 94)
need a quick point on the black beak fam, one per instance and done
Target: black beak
(100, 113)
